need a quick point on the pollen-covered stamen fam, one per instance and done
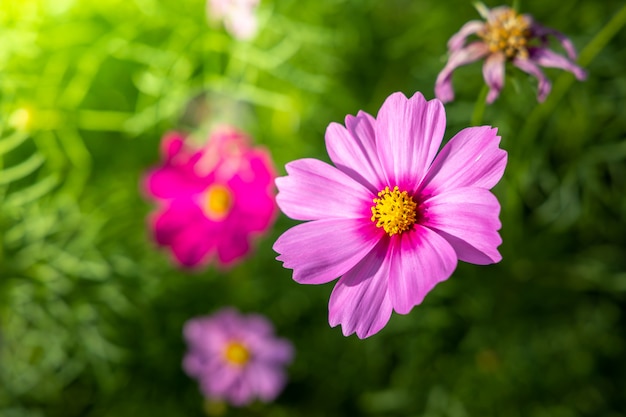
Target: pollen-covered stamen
(218, 201)
(394, 211)
(507, 32)
(237, 354)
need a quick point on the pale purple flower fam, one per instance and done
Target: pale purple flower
(214, 200)
(236, 358)
(506, 36)
(392, 217)
(239, 16)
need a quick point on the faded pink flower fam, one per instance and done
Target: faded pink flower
(212, 200)
(392, 217)
(239, 16)
(506, 36)
(236, 358)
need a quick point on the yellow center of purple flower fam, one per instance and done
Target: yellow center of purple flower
(218, 201)
(507, 32)
(394, 211)
(237, 354)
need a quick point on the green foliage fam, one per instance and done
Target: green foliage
(91, 311)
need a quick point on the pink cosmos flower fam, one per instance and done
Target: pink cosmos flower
(212, 200)
(236, 358)
(392, 217)
(506, 37)
(239, 16)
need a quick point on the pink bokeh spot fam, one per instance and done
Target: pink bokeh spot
(214, 200)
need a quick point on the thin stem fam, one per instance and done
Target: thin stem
(479, 107)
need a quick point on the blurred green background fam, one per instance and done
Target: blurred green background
(91, 311)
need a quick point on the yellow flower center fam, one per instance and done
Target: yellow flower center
(394, 211)
(237, 354)
(507, 32)
(218, 201)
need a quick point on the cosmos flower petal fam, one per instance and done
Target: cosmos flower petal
(173, 218)
(360, 301)
(468, 219)
(192, 245)
(420, 261)
(353, 149)
(471, 158)
(472, 52)
(316, 190)
(544, 86)
(543, 32)
(408, 134)
(268, 382)
(550, 59)
(322, 250)
(457, 40)
(493, 72)
(169, 182)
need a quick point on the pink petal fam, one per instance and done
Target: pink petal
(173, 219)
(232, 245)
(322, 250)
(544, 86)
(353, 150)
(268, 381)
(408, 135)
(316, 190)
(472, 52)
(419, 260)
(169, 182)
(541, 31)
(360, 301)
(493, 72)
(550, 59)
(468, 219)
(192, 245)
(171, 145)
(471, 158)
(458, 39)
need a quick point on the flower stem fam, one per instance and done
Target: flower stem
(479, 107)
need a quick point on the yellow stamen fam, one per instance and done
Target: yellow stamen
(218, 201)
(394, 211)
(508, 32)
(237, 354)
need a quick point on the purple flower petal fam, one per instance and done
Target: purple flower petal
(267, 381)
(353, 149)
(472, 52)
(550, 59)
(544, 86)
(468, 219)
(493, 72)
(170, 182)
(316, 190)
(543, 32)
(173, 219)
(458, 39)
(360, 301)
(322, 250)
(419, 261)
(408, 135)
(471, 158)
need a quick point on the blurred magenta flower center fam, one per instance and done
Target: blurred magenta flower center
(237, 354)
(218, 200)
(394, 211)
(507, 32)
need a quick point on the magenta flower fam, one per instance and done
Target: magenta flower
(506, 37)
(213, 200)
(392, 217)
(236, 358)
